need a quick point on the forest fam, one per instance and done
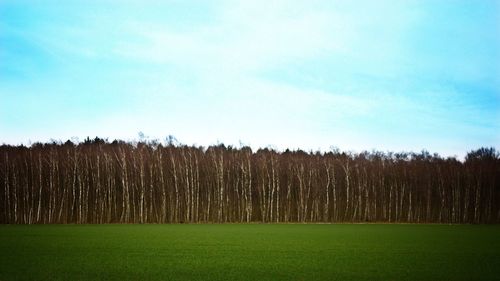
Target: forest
(97, 181)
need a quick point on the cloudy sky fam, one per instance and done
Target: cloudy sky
(387, 75)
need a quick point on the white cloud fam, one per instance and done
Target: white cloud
(245, 38)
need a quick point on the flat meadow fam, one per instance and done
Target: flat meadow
(250, 252)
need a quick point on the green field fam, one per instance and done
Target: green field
(250, 252)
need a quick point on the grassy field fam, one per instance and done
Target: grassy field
(250, 252)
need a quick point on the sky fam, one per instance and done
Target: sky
(312, 75)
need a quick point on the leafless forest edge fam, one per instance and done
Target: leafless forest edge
(148, 182)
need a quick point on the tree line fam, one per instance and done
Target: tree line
(97, 181)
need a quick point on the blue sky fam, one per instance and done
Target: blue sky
(387, 75)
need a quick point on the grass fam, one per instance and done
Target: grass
(250, 252)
